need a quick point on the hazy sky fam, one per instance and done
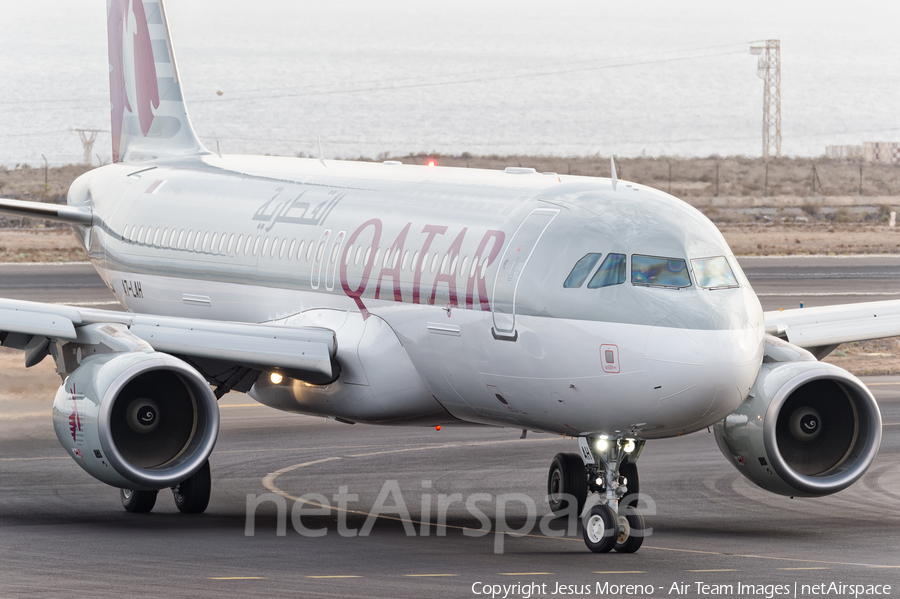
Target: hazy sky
(487, 76)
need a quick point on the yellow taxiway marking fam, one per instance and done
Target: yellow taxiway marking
(337, 576)
(242, 405)
(522, 573)
(236, 578)
(891, 424)
(882, 384)
(428, 575)
(817, 568)
(621, 572)
(722, 570)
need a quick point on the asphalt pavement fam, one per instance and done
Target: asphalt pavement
(63, 534)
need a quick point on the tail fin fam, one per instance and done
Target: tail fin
(149, 119)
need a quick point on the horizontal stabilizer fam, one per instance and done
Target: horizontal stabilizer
(58, 212)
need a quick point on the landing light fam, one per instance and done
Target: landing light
(431, 163)
(276, 378)
(629, 446)
(602, 444)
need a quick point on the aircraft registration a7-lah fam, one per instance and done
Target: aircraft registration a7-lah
(407, 295)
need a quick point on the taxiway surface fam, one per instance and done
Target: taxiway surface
(64, 534)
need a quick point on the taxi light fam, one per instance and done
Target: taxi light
(629, 446)
(602, 444)
(276, 378)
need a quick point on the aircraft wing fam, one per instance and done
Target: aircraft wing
(304, 352)
(822, 329)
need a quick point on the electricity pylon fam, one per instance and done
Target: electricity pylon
(768, 69)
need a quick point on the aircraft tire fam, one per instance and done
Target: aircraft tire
(567, 476)
(600, 529)
(631, 530)
(192, 495)
(137, 502)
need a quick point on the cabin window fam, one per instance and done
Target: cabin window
(266, 247)
(474, 267)
(611, 272)
(453, 265)
(396, 259)
(180, 239)
(654, 271)
(484, 267)
(165, 238)
(424, 262)
(713, 273)
(366, 257)
(357, 256)
(415, 261)
(309, 250)
(222, 243)
(256, 245)
(376, 258)
(212, 243)
(156, 236)
(140, 232)
(203, 247)
(197, 241)
(291, 249)
(125, 232)
(581, 270)
(231, 243)
(444, 264)
(434, 262)
(334, 252)
(405, 260)
(462, 267)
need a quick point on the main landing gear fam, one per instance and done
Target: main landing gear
(191, 495)
(602, 485)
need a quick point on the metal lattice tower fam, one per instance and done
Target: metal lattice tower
(88, 137)
(769, 70)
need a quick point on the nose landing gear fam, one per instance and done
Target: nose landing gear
(607, 469)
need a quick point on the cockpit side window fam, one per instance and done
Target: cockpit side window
(654, 271)
(581, 271)
(611, 272)
(714, 273)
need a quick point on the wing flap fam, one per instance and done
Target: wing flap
(832, 325)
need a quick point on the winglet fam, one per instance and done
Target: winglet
(612, 169)
(321, 156)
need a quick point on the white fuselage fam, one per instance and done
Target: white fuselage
(447, 308)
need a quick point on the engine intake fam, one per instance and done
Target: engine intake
(141, 420)
(807, 429)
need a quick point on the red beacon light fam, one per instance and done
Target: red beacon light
(431, 163)
(437, 428)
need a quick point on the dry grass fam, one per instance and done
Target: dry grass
(39, 245)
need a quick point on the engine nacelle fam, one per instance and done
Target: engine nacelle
(138, 420)
(807, 429)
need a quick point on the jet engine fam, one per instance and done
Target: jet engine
(807, 428)
(138, 420)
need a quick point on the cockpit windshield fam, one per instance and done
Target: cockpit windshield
(611, 272)
(659, 272)
(713, 273)
(581, 271)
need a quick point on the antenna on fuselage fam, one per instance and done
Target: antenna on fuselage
(321, 156)
(612, 169)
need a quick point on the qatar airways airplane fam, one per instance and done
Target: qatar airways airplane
(406, 295)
